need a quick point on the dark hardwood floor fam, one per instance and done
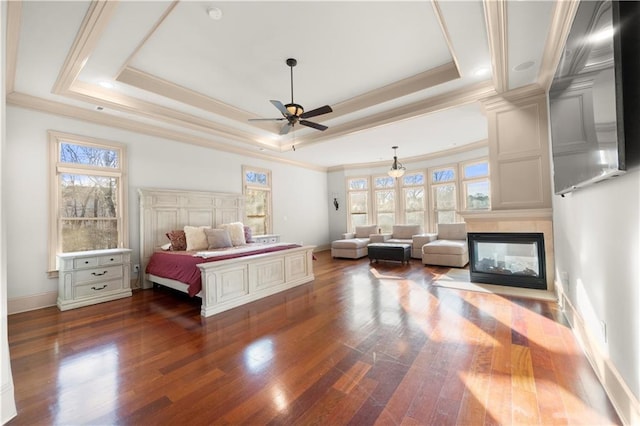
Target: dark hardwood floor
(362, 344)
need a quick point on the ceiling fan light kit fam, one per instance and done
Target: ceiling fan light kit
(294, 113)
(397, 169)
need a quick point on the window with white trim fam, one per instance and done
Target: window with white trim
(358, 202)
(257, 194)
(384, 192)
(413, 198)
(475, 185)
(444, 201)
(420, 197)
(88, 195)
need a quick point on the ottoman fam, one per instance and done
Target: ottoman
(389, 251)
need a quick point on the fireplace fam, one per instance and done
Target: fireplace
(505, 258)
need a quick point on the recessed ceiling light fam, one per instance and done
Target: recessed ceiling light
(482, 71)
(214, 13)
(524, 66)
(106, 84)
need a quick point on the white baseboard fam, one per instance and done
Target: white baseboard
(624, 401)
(8, 406)
(32, 302)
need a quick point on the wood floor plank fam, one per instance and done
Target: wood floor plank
(361, 344)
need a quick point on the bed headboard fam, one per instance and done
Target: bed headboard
(163, 210)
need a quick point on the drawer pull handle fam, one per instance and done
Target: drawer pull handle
(86, 262)
(97, 274)
(101, 288)
(111, 259)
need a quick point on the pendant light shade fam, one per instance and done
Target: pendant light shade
(397, 169)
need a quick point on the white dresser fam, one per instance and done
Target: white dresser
(268, 238)
(89, 277)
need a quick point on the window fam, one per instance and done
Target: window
(444, 195)
(385, 202)
(420, 197)
(475, 184)
(413, 198)
(257, 195)
(358, 201)
(88, 193)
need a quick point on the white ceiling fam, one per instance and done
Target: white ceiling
(395, 73)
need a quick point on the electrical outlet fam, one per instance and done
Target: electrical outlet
(136, 268)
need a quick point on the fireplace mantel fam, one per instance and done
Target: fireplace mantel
(507, 215)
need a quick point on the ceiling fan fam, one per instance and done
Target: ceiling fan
(294, 113)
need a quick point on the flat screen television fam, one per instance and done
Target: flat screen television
(594, 99)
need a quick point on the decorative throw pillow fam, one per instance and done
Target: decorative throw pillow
(236, 232)
(178, 240)
(248, 235)
(196, 238)
(218, 238)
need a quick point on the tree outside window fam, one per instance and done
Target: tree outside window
(476, 185)
(89, 189)
(358, 199)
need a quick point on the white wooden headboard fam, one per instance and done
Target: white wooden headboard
(164, 210)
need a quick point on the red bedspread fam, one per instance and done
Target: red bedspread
(181, 265)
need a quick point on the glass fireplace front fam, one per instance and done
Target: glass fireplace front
(513, 259)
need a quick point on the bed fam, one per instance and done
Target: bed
(234, 279)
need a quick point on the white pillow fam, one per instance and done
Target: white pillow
(196, 238)
(236, 232)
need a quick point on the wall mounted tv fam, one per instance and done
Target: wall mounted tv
(594, 99)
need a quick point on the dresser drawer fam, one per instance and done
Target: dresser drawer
(98, 274)
(97, 289)
(89, 262)
(110, 260)
(85, 262)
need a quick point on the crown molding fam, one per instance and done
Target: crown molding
(159, 86)
(425, 80)
(462, 96)
(407, 86)
(495, 13)
(148, 36)
(60, 109)
(445, 32)
(563, 14)
(94, 23)
(432, 156)
(519, 95)
(97, 95)
(14, 22)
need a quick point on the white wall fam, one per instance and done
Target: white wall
(299, 195)
(597, 250)
(7, 395)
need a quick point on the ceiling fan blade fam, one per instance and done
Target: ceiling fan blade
(267, 119)
(314, 125)
(318, 111)
(280, 107)
(285, 128)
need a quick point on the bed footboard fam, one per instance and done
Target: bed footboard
(230, 283)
